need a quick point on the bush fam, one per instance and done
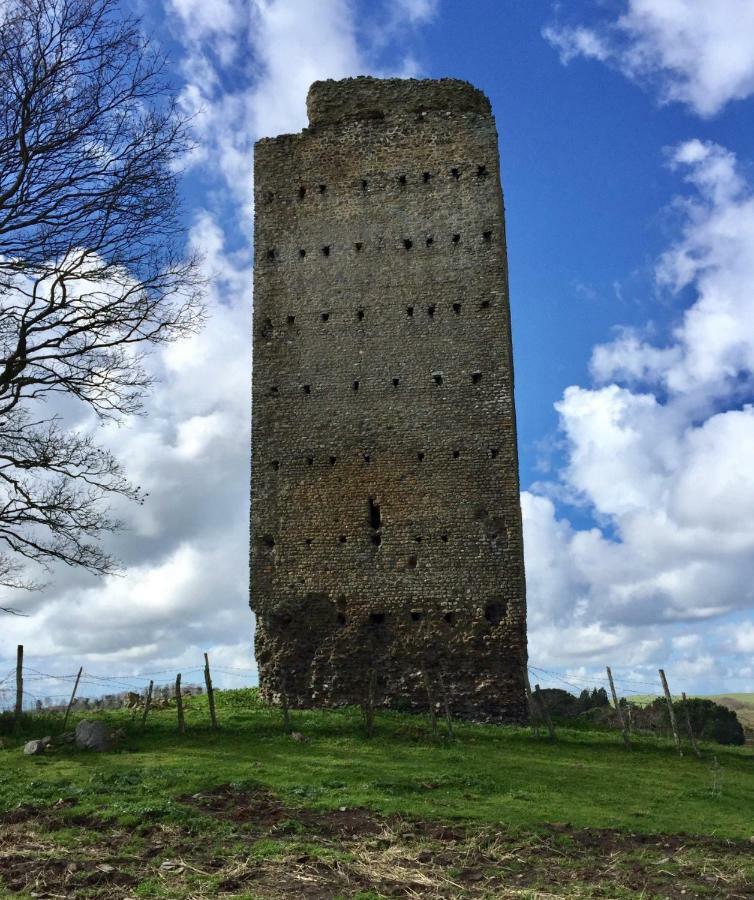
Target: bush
(709, 720)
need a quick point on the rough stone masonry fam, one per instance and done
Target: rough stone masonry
(387, 556)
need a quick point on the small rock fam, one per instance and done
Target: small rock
(34, 748)
(92, 735)
(105, 867)
(297, 736)
(67, 737)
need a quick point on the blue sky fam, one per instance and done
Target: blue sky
(627, 151)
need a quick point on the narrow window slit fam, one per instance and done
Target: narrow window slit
(430, 240)
(359, 314)
(412, 562)
(444, 538)
(325, 316)
(396, 382)
(367, 458)
(375, 517)
(274, 389)
(457, 309)
(487, 236)
(355, 385)
(310, 460)
(420, 456)
(376, 540)
(309, 541)
(301, 192)
(402, 180)
(426, 177)
(271, 254)
(437, 377)
(302, 253)
(481, 171)
(493, 452)
(333, 460)
(431, 310)
(364, 184)
(455, 173)
(357, 246)
(476, 377)
(409, 311)
(307, 388)
(456, 454)
(275, 464)
(269, 541)
(408, 243)
(485, 304)
(322, 188)
(342, 539)
(456, 238)
(291, 320)
(450, 618)
(326, 250)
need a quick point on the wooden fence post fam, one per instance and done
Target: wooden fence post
(147, 704)
(623, 725)
(179, 704)
(369, 703)
(533, 720)
(73, 697)
(284, 704)
(446, 705)
(210, 692)
(671, 712)
(694, 745)
(431, 702)
(545, 711)
(19, 686)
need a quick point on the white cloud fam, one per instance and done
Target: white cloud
(659, 452)
(696, 52)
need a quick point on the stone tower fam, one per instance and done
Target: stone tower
(386, 524)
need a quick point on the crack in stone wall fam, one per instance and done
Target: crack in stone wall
(386, 521)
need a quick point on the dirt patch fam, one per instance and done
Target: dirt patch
(283, 851)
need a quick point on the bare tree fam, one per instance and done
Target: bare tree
(92, 271)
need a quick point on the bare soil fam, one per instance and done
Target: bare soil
(265, 848)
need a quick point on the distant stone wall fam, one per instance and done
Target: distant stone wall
(386, 524)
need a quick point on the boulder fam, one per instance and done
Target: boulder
(92, 735)
(34, 748)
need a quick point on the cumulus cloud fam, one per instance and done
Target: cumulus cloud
(697, 53)
(659, 451)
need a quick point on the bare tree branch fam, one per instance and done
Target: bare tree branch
(92, 265)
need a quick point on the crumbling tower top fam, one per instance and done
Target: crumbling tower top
(332, 102)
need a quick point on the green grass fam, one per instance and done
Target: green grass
(488, 775)
(248, 812)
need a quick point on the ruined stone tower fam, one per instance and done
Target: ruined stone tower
(386, 525)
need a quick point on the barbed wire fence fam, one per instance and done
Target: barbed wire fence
(53, 689)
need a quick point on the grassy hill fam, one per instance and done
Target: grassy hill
(252, 812)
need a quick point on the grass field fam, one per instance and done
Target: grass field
(251, 812)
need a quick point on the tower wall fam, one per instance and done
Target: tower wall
(386, 523)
